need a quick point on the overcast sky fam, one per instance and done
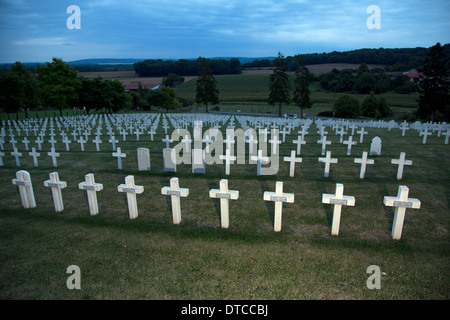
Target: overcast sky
(36, 31)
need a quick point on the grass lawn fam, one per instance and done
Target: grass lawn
(249, 93)
(150, 258)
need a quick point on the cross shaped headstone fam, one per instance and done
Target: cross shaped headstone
(175, 192)
(401, 164)
(447, 136)
(328, 160)
(97, 141)
(39, 142)
(131, 190)
(92, 188)
(260, 159)
(425, 133)
(224, 194)
(25, 142)
(81, 141)
(324, 143)
(299, 143)
(113, 141)
(55, 185)
(404, 126)
(338, 200)
(35, 156)
(52, 141)
(54, 155)
(2, 154)
(278, 197)
(17, 156)
(292, 159)
(349, 144)
(228, 159)
(401, 202)
(361, 133)
(66, 141)
(274, 141)
(167, 140)
(119, 155)
(364, 161)
(23, 181)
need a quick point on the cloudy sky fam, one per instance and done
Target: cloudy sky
(36, 30)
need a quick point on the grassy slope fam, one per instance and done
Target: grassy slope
(149, 258)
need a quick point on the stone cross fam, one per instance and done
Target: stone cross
(224, 194)
(16, 155)
(25, 142)
(278, 197)
(274, 141)
(328, 160)
(119, 155)
(324, 143)
(228, 159)
(338, 200)
(97, 141)
(92, 188)
(39, 142)
(54, 155)
(292, 159)
(81, 141)
(2, 154)
(361, 133)
(299, 143)
(113, 141)
(23, 181)
(447, 135)
(260, 159)
(401, 202)
(425, 133)
(401, 164)
(175, 192)
(35, 156)
(364, 161)
(349, 144)
(67, 142)
(167, 140)
(131, 190)
(55, 185)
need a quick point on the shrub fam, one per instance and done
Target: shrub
(347, 107)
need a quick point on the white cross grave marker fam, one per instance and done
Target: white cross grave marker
(349, 144)
(278, 197)
(228, 159)
(324, 143)
(401, 164)
(338, 200)
(55, 185)
(119, 155)
(131, 190)
(328, 160)
(401, 202)
(364, 161)
(175, 192)
(81, 141)
(54, 155)
(361, 133)
(16, 155)
(35, 156)
(23, 181)
(224, 194)
(97, 141)
(92, 188)
(292, 159)
(260, 159)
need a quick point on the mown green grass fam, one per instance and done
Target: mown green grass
(150, 258)
(249, 93)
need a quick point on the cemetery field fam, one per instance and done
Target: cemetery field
(150, 257)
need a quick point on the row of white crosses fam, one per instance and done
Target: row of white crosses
(338, 199)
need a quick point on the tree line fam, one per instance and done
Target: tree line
(161, 68)
(56, 85)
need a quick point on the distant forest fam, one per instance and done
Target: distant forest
(400, 59)
(395, 59)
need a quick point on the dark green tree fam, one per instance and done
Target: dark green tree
(434, 86)
(279, 84)
(59, 84)
(206, 91)
(301, 88)
(347, 106)
(374, 107)
(172, 80)
(19, 89)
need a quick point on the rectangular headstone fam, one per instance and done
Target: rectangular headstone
(169, 160)
(143, 156)
(198, 161)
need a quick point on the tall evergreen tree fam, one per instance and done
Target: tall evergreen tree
(206, 85)
(434, 86)
(279, 84)
(301, 88)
